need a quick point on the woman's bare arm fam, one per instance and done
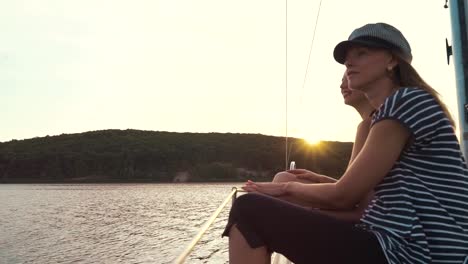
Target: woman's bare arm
(352, 215)
(381, 150)
(361, 135)
(313, 177)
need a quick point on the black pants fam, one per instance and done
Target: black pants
(302, 235)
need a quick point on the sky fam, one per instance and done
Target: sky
(71, 66)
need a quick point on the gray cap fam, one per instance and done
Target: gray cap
(378, 35)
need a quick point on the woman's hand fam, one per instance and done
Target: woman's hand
(307, 175)
(268, 188)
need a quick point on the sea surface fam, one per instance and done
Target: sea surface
(110, 223)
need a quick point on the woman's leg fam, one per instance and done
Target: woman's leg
(302, 235)
(285, 176)
(241, 252)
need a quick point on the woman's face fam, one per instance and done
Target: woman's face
(351, 97)
(365, 66)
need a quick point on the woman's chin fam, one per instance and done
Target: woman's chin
(348, 101)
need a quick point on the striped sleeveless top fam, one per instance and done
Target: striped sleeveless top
(420, 209)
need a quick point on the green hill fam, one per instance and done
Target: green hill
(150, 156)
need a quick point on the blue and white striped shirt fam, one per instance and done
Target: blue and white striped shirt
(420, 209)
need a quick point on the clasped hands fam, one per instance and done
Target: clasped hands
(280, 189)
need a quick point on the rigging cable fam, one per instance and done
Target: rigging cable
(288, 153)
(286, 83)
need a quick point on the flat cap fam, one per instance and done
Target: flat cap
(378, 35)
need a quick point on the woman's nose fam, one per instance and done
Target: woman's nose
(348, 59)
(347, 62)
(343, 85)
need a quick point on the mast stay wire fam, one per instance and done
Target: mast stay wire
(290, 145)
(286, 92)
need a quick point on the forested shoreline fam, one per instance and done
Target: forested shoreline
(154, 156)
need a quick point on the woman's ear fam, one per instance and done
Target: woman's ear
(393, 62)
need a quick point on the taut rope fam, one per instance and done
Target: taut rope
(202, 231)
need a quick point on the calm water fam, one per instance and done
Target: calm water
(110, 223)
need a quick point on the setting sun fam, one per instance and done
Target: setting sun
(313, 141)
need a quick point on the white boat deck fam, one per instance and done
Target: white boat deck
(277, 258)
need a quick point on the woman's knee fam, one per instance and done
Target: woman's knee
(284, 177)
(247, 204)
(245, 201)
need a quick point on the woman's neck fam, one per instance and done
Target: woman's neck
(378, 91)
(364, 109)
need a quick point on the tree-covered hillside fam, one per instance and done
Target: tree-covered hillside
(135, 155)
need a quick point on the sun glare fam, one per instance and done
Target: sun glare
(312, 141)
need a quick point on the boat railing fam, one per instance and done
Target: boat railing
(276, 258)
(181, 259)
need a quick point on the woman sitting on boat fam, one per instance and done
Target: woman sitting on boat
(411, 159)
(359, 102)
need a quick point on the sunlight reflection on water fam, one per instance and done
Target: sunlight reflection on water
(110, 223)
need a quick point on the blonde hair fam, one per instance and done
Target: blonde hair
(406, 76)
